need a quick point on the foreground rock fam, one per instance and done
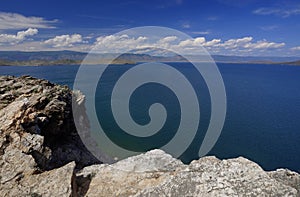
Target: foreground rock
(36, 119)
(158, 174)
(41, 154)
(56, 182)
(38, 138)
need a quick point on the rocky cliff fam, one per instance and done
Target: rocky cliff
(41, 154)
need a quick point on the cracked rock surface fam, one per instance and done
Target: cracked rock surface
(41, 154)
(39, 145)
(156, 173)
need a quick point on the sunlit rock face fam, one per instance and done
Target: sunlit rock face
(156, 173)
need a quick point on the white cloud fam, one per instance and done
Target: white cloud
(166, 42)
(296, 48)
(141, 44)
(212, 43)
(64, 40)
(200, 32)
(282, 12)
(235, 43)
(263, 44)
(20, 36)
(192, 42)
(119, 43)
(168, 39)
(123, 43)
(18, 21)
(246, 43)
(28, 32)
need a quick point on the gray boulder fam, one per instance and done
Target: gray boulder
(156, 173)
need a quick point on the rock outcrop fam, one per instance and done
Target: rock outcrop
(156, 173)
(41, 154)
(38, 139)
(36, 119)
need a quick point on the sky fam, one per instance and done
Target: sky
(226, 27)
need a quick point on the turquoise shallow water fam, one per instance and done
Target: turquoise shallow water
(263, 110)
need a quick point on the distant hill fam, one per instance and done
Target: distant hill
(39, 62)
(253, 59)
(19, 58)
(42, 58)
(294, 63)
(41, 55)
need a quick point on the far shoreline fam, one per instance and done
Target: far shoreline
(133, 63)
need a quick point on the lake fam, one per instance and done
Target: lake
(263, 110)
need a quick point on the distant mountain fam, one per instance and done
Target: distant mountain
(73, 57)
(294, 63)
(253, 59)
(42, 58)
(41, 55)
(38, 62)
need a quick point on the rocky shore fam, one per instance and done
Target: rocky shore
(41, 154)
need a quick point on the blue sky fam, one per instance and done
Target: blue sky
(249, 27)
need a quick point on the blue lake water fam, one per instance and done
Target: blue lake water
(263, 110)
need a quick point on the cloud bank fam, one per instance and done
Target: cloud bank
(121, 43)
(124, 43)
(281, 12)
(18, 21)
(64, 40)
(20, 36)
